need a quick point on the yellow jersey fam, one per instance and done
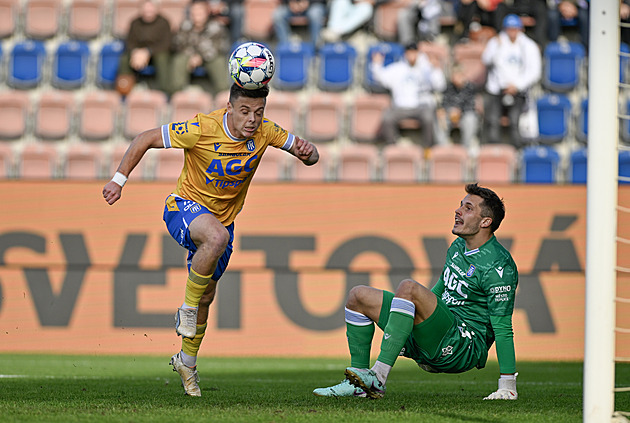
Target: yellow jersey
(218, 167)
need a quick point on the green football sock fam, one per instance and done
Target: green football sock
(359, 338)
(397, 330)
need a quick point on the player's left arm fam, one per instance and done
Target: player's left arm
(305, 151)
(502, 291)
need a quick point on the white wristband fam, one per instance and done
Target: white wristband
(120, 179)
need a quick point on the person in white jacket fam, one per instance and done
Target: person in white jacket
(413, 83)
(514, 65)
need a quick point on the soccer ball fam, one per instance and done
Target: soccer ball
(251, 65)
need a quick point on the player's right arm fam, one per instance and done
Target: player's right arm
(138, 147)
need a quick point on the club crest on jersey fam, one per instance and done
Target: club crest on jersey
(251, 146)
(471, 270)
(180, 128)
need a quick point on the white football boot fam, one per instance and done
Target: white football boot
(343, 389)
(186, 322)
(189, 376)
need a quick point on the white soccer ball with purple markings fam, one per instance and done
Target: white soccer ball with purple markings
(251, 65)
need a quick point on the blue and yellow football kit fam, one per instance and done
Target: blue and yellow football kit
(218, 169)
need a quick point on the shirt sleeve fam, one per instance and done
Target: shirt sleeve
(381, 73)
(533, 67)
(504, 339)
(438, 289)
(500, 282)
(278, 136)
(487, 57)
(181, 134)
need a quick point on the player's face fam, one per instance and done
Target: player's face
(468, 219)
(245, 116)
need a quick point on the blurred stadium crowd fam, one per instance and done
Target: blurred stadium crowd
(62, 118)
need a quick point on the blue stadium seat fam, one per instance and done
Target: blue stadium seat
(624, 124)
(562, 63)
(293, 65)
(582, 121)
(336, 67)
(540, 164)
(392, 52)
(70, 64)
(624, 167)
(26, 63)
(554, 111)
(577, 166)
(624, 59)
(107, 67)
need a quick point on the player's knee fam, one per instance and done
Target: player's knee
(406, 289)
(355, 297)
(216, 241)
(220, 238)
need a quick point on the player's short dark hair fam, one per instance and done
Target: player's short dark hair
(492, 206)
(237, 92)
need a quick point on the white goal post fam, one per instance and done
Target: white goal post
(601, 212)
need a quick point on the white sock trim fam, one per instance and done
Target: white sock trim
(357, 319)
(400, 305)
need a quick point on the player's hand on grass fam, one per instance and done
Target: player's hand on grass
(506, 391)
(112, 192)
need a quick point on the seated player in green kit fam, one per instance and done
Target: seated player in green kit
(449, 328)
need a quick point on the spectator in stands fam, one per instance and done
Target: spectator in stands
(413, 83)
(533, 10)
(480, 11)
(346, 16)
(514, 65)
(313, 10)
(148, 42)
(420, 21)
(567, 10)
(458, 110)
(202, 41)
(230, 13)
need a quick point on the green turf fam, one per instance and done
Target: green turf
(142, 389)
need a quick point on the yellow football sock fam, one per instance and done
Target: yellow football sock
(191, 346)
(195, 287)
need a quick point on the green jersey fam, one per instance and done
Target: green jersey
(479, 284)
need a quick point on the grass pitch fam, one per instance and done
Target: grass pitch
(50, 388)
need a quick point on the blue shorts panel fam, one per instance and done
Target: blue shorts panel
(178, 214)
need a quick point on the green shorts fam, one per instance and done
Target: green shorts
(442, 341)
